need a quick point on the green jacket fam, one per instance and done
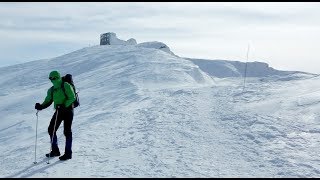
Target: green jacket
(58, 96)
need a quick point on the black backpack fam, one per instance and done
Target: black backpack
(68, 78)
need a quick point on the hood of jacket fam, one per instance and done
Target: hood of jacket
(57, 82)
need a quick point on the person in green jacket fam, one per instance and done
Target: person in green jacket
(63, 103)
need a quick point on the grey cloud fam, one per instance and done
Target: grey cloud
(175, 24)
(75, 16)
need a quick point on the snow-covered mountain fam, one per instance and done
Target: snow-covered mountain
(146, 112)
(224, 68)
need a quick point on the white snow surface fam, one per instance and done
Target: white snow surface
(148, 113)
(156, 45)
(226, 68)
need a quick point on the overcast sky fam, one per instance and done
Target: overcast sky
(285, 35)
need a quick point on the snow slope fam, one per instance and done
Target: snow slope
(147, 113)
(224, 68)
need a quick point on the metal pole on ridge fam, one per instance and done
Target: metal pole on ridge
(35, 146)
(54, 129)
(245, 70)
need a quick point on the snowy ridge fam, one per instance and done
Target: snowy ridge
(147, 113)
(111, 38)
(156, 45)
(224, 68)
(118, 68)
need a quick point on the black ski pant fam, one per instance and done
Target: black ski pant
(65, 115)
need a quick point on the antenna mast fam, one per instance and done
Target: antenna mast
(245, 70)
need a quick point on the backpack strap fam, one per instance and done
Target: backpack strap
(74, 89)
(62, 87)
(64, 91)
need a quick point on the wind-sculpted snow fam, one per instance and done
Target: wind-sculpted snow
(156, 45)
(223, 68)
(146, 113)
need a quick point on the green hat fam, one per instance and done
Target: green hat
(55, 74)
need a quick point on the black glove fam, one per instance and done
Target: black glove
(38, 106)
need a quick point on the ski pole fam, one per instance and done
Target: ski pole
(35, 146)
(54, 128)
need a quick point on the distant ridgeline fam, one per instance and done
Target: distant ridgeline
(216, 68)
(224, 68)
